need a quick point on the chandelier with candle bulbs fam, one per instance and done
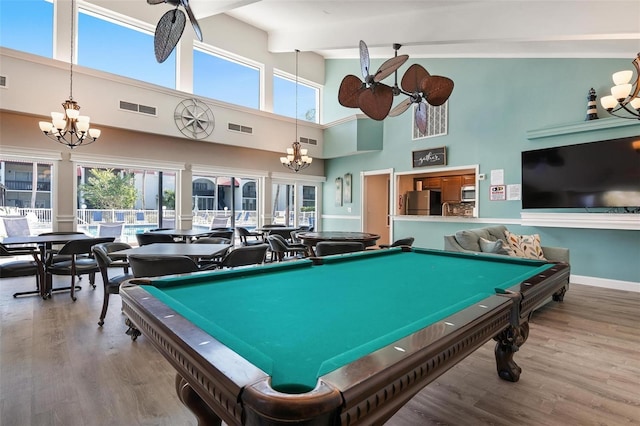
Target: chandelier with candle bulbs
(624, 95)
(69, 127)
(297, 157)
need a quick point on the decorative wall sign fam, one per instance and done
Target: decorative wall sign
(430, 157)
(338, 191)
(346, 191)
(194, 119)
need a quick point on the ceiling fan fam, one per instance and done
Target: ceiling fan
(375, 99)
(171, 26)
(371, 96)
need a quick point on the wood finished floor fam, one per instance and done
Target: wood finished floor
(581, 366)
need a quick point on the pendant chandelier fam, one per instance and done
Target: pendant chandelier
(70, 128)
(624, 95)
(297, 158)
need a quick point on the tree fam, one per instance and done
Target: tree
(169, 199)
(107, 189)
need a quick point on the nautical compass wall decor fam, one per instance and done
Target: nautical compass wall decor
(194, 119)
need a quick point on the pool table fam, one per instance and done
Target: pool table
(344, 339)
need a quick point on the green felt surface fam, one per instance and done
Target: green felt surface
(300, 321)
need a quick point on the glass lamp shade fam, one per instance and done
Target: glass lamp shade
(289, 151)
(95, 133)
(621, 91)
(82, 126)
(622, 77)
(59, 124)
(608, 102)
(635, 103)
(45, 126)
(72, 113)
(284, 160)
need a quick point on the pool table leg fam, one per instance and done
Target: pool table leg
(509, 342)
(205, 415)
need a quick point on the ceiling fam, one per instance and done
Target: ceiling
(428, 28)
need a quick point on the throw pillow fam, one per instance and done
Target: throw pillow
(527, 246)
(496, 247)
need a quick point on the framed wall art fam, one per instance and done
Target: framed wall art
(346, 191)
(338, 191)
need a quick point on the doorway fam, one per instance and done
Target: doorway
(377, 204)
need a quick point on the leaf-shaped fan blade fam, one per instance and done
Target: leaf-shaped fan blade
(168, 32)
(412, 78)
(400, 108)
(192, 18)
(421, 117)
(376, 102)
(350, 88)
(155, 1)
(389, 66)
(364, 59)
(436, 89)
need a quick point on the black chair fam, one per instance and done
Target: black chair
(205, 262)
(150, 238)
(222, 233)
(328, 248)
(399, 243)
(156, 266)
(246, 255)
(22, 267)
(280, 248)
(75, 258)
(102, 254)
(248, 238)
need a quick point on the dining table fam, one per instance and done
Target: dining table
(184, 234)
(195, 251)
(44, 242)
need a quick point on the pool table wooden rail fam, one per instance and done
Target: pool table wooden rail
(218, 384)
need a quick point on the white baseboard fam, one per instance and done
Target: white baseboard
(605, 283)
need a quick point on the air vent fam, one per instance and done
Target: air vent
(240, 128)
(142, 109)
(3, 81)
(308, 141)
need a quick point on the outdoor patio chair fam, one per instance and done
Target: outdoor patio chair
(16, 226)
(111, 229)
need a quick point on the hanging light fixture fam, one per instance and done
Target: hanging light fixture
(624, 95)
(297, 158)
(70, 128)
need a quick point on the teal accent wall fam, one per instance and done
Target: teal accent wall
(495, 106)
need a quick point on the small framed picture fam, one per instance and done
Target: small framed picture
(338, 191)
(346, 191)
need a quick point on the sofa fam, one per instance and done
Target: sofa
(493, 240)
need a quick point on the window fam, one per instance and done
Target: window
(224, 201)
(227, 80)
(108, 45)
(27, 26)
(294, 204)
(284, 99)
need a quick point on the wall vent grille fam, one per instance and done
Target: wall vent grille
(142, 109)
(240, 128)
(308, 141)
(3, 81)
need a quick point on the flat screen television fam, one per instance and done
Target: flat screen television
(596, 174)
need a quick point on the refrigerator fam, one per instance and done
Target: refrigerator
(427, 202)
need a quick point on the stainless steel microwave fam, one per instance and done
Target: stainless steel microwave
(468, 193)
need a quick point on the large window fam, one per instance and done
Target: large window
(227, 80)
(294, 205)
(27, 26)
(284, 99)
(118, 48)
(225, 201)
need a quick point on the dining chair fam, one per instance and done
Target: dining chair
(213, 260)
(103, 254)
(150, 238)
(156, 266)
(75, 258)
(399, 243)
(280, 248)
(22, 267)
(249, 238)
(222, 232)
(328, 248)
(245, 255)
